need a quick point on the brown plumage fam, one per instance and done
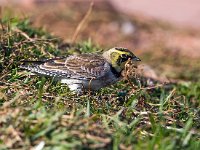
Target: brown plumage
(85, 71)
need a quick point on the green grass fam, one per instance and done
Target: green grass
(36, 109)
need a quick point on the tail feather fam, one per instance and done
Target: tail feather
(37, 70)
(32, 62)
(33, 68)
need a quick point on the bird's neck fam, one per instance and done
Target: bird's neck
(117, 73)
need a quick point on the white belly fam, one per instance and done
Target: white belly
(93, 85)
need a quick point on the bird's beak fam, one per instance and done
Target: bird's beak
(136, 59)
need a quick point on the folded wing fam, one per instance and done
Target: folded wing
(85, 66)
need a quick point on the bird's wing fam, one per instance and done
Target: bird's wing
(85, 66)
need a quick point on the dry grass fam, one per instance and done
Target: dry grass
(36, 111)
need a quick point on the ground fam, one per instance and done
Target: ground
(39, 112)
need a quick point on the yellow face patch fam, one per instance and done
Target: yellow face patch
(120, 57)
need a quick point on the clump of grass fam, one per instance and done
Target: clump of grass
(36, 111)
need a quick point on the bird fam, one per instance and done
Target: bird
(83, 72)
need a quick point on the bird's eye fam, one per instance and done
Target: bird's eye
(124, 56)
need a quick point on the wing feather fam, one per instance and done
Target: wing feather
(85, 66)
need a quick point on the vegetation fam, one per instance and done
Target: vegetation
(37, 111)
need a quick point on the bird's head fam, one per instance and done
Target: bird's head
(118, 57)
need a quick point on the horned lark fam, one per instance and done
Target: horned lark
(85, 71)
